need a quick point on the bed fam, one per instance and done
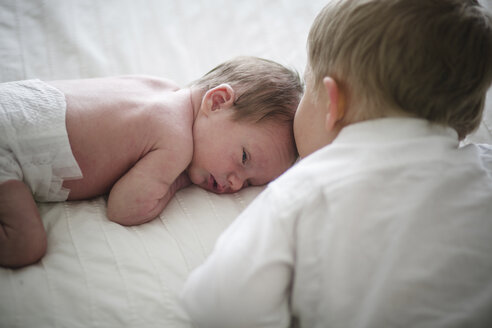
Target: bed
(96, 272)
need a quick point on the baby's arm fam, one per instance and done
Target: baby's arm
(144, 191)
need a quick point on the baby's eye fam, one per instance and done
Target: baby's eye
(245, 157)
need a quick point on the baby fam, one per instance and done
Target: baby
(140, 139)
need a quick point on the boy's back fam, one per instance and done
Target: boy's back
(398, 227)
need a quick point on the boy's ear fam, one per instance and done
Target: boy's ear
(336, 102)
(220, 97)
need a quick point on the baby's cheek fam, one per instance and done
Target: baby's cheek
(191, 176)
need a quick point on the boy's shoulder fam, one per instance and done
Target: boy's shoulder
(303, 179)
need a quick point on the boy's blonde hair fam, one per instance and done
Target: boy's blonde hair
(264, 90)
(427, 58)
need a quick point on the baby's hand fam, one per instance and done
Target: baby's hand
(182, 181)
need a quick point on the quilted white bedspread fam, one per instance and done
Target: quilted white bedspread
(97, 273)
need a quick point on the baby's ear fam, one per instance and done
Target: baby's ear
(220, 97)
(336, 103)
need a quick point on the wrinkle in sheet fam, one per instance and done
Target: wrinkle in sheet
(170, 282)
(176, 242)
(240, 201)
(189, 218)
(132, 307)
(164, 291)
(51, 291)
(15, 297)
(90, 289)
(214, 208)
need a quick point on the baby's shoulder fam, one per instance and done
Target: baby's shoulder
(172, 133)
(152, 83)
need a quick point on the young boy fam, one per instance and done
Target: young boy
(141, 139)
(390, 224)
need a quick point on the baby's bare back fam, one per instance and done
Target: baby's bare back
(112, 123)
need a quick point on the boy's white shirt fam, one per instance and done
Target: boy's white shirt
(388, 226)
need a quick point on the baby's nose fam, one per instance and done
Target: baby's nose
(236, 182)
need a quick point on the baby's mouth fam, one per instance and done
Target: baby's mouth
(212, 183)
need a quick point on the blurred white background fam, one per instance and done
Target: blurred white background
(181, 40)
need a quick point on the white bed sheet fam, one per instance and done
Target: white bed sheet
(98, 273)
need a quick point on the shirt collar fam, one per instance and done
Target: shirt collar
(387, 130)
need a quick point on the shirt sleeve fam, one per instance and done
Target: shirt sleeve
(245, 281)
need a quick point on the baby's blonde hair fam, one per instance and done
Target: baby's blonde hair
(265, 90)
(426, 58)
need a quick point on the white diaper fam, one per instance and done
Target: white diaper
(34, 144)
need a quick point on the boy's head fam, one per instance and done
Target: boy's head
(430, 59)
(243, 130)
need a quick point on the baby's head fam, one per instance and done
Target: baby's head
(243, 131)
(429, 59)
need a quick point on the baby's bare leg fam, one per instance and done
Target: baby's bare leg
(22, 235)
